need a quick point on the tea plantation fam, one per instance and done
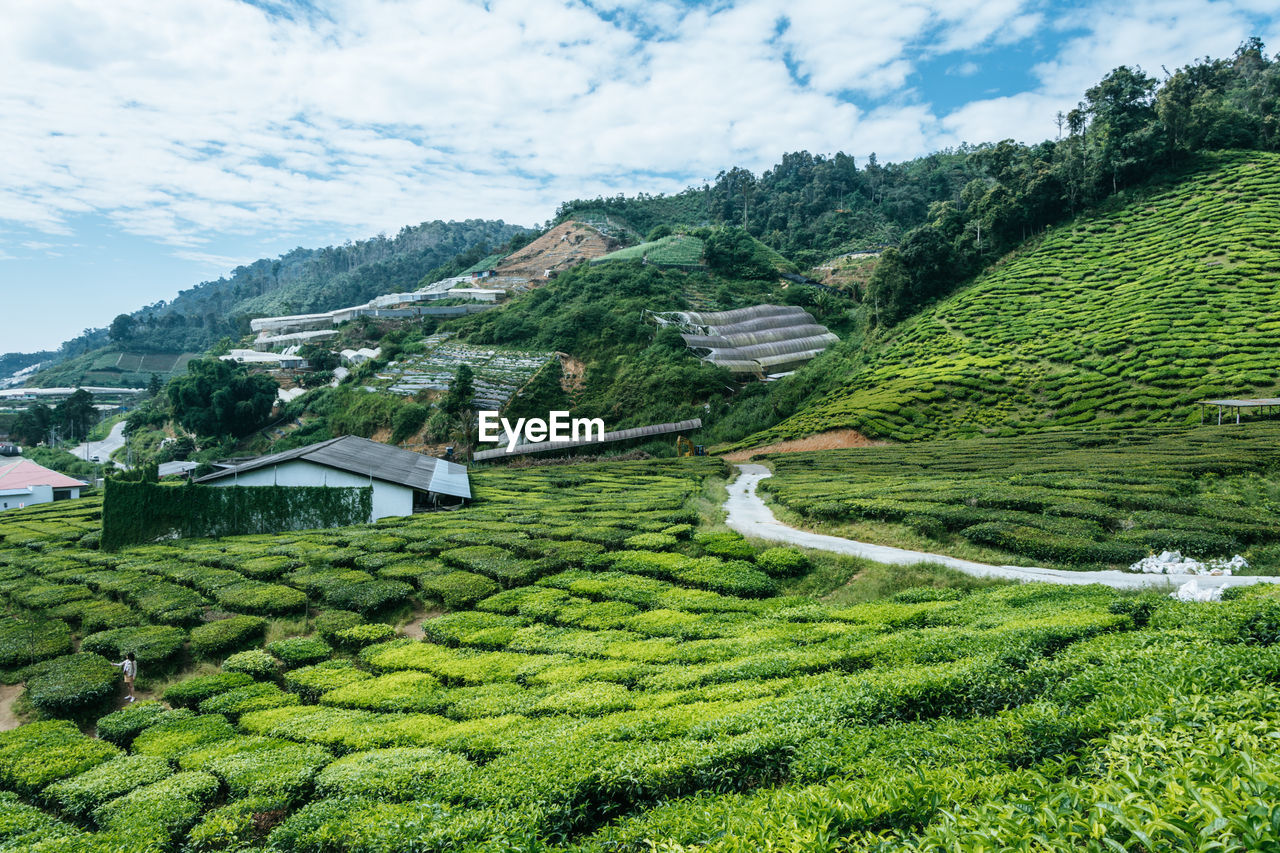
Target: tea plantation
(603, 674)
(1069, 499)
(1121, 317)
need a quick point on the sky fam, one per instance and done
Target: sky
(145, 147)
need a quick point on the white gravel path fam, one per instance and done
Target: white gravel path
(749, 515)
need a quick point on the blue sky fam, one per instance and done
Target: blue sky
(149, 146)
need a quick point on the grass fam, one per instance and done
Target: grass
(1122, 317)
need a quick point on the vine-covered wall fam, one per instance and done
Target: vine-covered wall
(144, 512)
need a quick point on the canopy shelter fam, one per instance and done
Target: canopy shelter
(1267, 405)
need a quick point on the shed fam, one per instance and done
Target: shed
(403, 481)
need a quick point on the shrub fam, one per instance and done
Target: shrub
(651, 541)
(36, 754)
(268, 599)
(217, 638)
(254, 662)
(457, 590)
(152, 644)
(359, 636)
(169, 806)
(396, 775)
(783, 562)
(98, 615)
(80, 795)
(725, 544)
(121, 727)
(25, 640)
(310, 682)
(239, 825)
(300, 651)
(73, 684)
(191, 692)
(329, 622)
(265, 568)
(175, 735)
(370, 596)
(252, 697)
(493, 562)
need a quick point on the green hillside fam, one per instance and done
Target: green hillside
(1126, 316)
(1072, 499)
(606, 676)
(675, 249)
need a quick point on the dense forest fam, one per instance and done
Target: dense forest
(952, 212)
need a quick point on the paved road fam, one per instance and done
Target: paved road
(749, 515)
(102, 449)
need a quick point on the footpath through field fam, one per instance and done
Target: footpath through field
(749, 515)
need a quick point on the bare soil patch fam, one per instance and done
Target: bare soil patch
(833, 440)
(9, 694)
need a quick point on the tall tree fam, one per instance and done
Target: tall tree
(217, 398)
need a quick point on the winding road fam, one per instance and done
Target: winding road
(102, 449)
(748, 514)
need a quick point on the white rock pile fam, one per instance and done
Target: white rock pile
(1173, 563)
(1192, 591)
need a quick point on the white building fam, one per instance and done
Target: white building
(401, 479)
(23, 483)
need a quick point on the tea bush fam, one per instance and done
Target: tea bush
(217, 638)
(72, 685)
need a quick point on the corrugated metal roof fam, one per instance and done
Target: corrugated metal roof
(450, 478)
(366, 458)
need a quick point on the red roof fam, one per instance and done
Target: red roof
(21, 473)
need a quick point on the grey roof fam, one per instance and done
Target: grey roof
(368, 458)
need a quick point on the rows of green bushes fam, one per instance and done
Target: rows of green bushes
(623, 681)
(1074, 499)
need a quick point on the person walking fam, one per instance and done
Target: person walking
(129, 666)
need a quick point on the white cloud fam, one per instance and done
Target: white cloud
(213, 117)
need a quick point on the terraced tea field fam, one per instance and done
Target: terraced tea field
(1123, 317)
(1069, 499)
(675, 250)
(609, 676)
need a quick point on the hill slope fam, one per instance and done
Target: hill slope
(1122, 317)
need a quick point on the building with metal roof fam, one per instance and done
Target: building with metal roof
(403, 481)
(24, 483)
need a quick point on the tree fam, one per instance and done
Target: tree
(76, 414)
(154, 385)
(219, 398)
(32, 426)
(461, 391)
(121, 328)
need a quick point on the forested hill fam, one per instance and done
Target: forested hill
(1125, 316)
(301, 281)
(952, 213)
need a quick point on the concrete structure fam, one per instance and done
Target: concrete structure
(402, 481)
(479, 294)
(23, 483)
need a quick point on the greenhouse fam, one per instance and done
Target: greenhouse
(763, 341)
